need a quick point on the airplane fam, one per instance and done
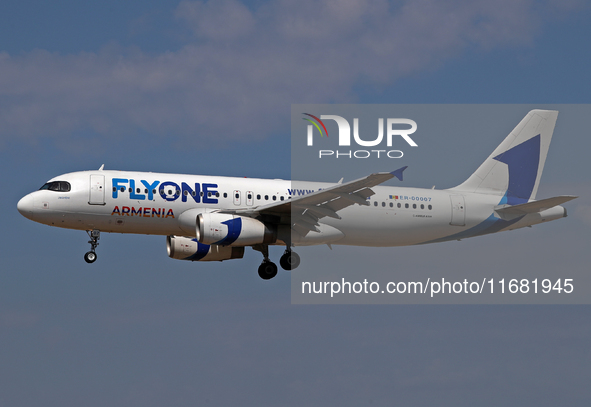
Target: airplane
(213, 218)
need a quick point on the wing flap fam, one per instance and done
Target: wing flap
(320, 211)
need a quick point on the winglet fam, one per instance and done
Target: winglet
(102, 167)
(398, 172)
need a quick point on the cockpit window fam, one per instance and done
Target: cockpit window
(61, 186)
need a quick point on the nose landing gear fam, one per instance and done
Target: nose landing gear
(95, 235)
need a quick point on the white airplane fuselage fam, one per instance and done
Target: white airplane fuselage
(395, 216)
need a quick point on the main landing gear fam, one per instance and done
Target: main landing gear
(267, 270)
(95, 235)
(290, 260)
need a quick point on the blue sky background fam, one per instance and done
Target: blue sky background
(206, 88)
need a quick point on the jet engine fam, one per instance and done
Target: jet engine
(185, 248)
(232, 230)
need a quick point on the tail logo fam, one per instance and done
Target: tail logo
(523, 161)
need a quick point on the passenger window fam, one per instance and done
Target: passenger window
(406, 206)
(422, 206)
(274, 198)
(375, 203)
(414, 206)
(391, 205)
(282, 198)
(225, 194)
(266, 197)
(399, 205)
(430, 207)
(258, 196)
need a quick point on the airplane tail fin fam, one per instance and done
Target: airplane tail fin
(514, 169)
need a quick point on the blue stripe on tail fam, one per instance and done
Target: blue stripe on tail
(523, 161)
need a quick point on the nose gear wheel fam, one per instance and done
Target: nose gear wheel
(94, 235)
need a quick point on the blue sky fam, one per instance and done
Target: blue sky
(206, 88)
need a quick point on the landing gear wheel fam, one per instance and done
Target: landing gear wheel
(267, 270)
(290, 260)
(94, 235)
(90, 257)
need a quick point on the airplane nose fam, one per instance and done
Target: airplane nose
(25, 206)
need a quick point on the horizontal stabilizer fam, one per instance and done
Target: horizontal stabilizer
(512, 211)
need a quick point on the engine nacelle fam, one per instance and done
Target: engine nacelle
(232, 230)
(185, 248)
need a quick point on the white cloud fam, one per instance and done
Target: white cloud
(242, 69)
(223, 20)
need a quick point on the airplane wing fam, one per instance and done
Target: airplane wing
(304, 212)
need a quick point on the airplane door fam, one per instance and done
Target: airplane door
(249, 198)
(458, 210)
(237, 199)
(97, 190)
